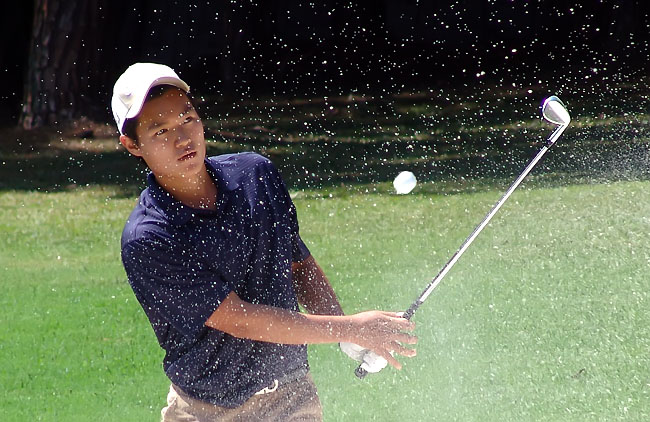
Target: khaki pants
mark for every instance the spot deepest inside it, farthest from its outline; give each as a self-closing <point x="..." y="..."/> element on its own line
<point x="295" y="401"/>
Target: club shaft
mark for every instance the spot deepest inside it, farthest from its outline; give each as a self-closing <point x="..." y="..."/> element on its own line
<point x="360" y="372"/>
<point x="486" y="220"/>
<point x="456" y="256"/>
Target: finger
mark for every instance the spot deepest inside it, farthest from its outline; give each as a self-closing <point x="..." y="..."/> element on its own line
<point x="387" y="334"/>
<point x="392" y="314"/>
<point x="391" y="360"/>
<point x="386" y="353"/>
<point x="405" y="338"/>
<point x="402" y="323"/>
<point x="395" y="330"/>
<point x="403" y="351"/>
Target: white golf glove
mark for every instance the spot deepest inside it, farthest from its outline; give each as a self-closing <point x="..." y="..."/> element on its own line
<point x="371" y="361"/>
<point x="354" y="351"/>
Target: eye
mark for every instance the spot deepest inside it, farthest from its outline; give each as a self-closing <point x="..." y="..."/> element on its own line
<point x="191" y="119"/>
<point x="161" y="132"/>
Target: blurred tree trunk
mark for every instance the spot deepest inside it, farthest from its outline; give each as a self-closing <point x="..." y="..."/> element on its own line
<point x="61" y="42"/>
<point x="15" y="24"/>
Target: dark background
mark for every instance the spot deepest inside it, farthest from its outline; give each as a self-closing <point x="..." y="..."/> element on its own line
<point x="59" y="59"/>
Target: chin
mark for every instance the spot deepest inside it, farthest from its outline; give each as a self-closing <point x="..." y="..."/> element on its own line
<point x="196" y="163"/>
<point x="192" y="167"/>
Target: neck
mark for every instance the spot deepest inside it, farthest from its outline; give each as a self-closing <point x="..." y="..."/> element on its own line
<point x="195" y="191"/>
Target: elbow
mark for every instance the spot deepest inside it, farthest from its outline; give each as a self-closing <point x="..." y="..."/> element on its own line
<point x="230" y="317"/>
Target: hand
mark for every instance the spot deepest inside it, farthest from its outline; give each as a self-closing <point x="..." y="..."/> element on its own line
<point x="382" y="333"/>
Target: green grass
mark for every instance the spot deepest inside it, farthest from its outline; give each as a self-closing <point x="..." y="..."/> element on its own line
<point x="74" y="342"/>
<point x="544" y="318"/>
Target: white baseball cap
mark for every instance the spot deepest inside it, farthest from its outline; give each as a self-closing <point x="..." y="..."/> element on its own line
<point x="132" y="87"/>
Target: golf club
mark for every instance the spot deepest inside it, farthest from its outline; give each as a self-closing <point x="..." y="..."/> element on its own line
<point x="553" y="111"/>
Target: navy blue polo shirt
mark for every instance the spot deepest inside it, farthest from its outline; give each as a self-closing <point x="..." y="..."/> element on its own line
<point x="182" y="262"/>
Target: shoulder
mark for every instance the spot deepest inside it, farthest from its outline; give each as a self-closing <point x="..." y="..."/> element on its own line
<point x="146" y="224"/>
<point x="240" y="161"/>
<point x="243" y="168"/>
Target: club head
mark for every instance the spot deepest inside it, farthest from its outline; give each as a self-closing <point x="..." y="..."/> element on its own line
<point x="554" y="111"/>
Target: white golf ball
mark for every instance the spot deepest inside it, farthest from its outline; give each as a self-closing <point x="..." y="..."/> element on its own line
<point x="404" y="182"/>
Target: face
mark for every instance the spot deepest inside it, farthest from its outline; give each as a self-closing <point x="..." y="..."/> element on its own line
<point x="170" y="136"/>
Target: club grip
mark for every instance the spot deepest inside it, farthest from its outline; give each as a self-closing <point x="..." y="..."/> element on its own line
<point x="410" y="311"/>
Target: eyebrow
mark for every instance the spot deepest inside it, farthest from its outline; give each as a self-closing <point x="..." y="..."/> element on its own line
<point x="189" y="107"/>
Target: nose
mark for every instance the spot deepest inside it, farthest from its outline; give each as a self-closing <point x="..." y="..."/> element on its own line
<point x="182" y="137"/>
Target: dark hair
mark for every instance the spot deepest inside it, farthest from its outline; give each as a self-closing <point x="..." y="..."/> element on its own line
<point x="130" y="125"/>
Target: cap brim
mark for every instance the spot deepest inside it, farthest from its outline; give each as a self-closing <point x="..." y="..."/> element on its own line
<point x="142" y="94"/>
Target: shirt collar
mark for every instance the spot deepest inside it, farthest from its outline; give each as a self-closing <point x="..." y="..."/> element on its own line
<point x="179" y="213"/>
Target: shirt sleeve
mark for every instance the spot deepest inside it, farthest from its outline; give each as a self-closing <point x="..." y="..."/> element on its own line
<point x="299" y="250"/>
<point x="171" y="281"/>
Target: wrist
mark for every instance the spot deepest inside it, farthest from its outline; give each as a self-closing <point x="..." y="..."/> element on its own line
<point x="343" y="328"/>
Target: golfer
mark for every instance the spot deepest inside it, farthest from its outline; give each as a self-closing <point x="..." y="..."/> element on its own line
<point x="213" y="253"/>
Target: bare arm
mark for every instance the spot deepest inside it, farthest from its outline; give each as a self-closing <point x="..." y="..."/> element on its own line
<point x="379" y="331"/>
<point x="313" y="289"/>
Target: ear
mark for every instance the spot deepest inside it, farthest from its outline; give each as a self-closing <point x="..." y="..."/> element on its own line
<point x="130" y="145"/>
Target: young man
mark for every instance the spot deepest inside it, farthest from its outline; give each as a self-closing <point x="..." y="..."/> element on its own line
<point x="213" y="254"/>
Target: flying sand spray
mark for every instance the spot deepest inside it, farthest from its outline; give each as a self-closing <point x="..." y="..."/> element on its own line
<point x="553" y="111"/>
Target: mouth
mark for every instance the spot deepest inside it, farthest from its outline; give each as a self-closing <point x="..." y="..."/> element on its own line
<point x="187" y="156"/>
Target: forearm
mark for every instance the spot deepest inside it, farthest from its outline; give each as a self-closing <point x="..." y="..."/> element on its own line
<point x="382" y="332"/>
<point x="314" y="291"/>
<point x="265" y="323"/>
